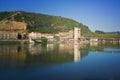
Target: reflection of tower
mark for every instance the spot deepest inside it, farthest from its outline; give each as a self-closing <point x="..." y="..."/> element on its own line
<point x="76" y="52"/>
<point x="77" y="33"/>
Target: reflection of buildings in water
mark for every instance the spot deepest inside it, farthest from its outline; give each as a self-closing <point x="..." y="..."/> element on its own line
<point x="34" y="49"/>
<point x="93" y="43"/>
<point x="39" y="49"/>
<point x="53" y="53"/>
<point x="71" y="48"/>
<point x="50" y="47"/>
<point x="12" y="53"/>
<point x="77" y="54"/>
<point x="68" y="48"/>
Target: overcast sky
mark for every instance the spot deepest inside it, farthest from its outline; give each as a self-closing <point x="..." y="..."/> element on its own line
<point x="96" y="14"/>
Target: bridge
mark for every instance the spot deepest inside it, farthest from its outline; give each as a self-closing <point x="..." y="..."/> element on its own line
<point x="101" y="40"/>
<point x="109" y="40"/>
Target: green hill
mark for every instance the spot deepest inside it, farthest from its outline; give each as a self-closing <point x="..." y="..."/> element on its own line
<point x="44" y="23"/>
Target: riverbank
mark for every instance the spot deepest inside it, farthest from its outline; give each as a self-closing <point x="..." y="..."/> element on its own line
<point x="13" y="42"/>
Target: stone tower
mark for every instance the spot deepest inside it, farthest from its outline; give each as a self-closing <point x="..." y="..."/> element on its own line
<point x="77" y="33"/>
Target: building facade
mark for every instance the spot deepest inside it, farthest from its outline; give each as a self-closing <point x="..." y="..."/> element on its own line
<point x="34" y="35"/>
<point x="8" y="35"/>
<point x="66" y="36"/>
<point x="12" y="30"/>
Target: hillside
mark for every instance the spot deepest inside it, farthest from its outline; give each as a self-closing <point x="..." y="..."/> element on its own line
<point x="44" y="23"/>
<point x="12" y="25"/>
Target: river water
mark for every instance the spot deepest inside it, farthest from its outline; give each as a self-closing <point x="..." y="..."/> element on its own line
<point x="60" y="62"/>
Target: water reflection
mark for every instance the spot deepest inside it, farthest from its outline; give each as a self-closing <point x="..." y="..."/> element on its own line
<point x="13" y="52"/>
<point x="77" y="54"/>
<point x="62" y="52"/>
<point x="11" y="56"/>
<point x="20" y="55"/>
<point x="51" y="53"/>
<point x="93" y="43"/>
<point x="34" y="49"/>
<point x="54" y="61"/>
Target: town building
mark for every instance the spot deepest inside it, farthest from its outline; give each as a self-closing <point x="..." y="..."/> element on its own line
<point x="8" y="35"/>
<point x="49" y="37"/>
<point x="34" y="35"/>
<point x="12" y="30"/>
<point x="71" y="35"/>
<point x="66" y="36"/>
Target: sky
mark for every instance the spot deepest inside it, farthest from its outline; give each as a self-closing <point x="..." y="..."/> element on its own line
<point x="101" y="15"/>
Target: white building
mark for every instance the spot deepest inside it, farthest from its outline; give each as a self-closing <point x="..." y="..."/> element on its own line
<point x="34" y="35"/>
<point x="49" y="37"/>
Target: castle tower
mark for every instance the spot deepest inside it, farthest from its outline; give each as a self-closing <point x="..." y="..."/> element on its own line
<point x="77" y="33"/>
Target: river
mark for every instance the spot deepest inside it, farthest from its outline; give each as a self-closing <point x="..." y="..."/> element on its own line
<point x="60" y="62"/>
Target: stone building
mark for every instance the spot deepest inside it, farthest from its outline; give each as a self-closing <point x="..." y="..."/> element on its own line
<point x="12" y="30"/>
<point x="49" y="37"/>
<point x="66" y="36"/>
<point x="34" y="35"/>
<point x="8" y="35"/>
<point x="71" y="35"/>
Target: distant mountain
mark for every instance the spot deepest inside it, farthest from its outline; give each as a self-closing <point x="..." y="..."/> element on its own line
<point x="117" y="32"/>
<point x="102" y="32"/>
<point x="99" y="32"/>
<point x="44" y="23"/>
